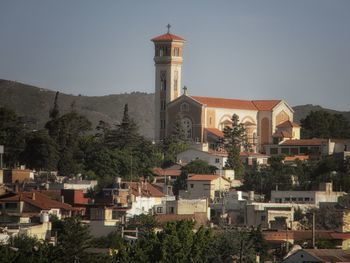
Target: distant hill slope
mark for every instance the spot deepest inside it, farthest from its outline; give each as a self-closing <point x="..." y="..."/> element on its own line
<point x="303" y="110"/>
<point x="33" y="104"/>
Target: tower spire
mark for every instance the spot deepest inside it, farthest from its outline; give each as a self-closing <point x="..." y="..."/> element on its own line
<point x="168" y="26"/>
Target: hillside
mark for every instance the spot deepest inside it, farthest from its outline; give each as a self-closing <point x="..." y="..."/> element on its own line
<point x="302" y="111"/>
<point x="33" y="104"/>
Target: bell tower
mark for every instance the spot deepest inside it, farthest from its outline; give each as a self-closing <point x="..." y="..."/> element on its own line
<point x="168" y="63"/>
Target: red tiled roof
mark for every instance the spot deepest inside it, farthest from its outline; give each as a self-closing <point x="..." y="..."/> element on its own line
<point x="237" y="104"/>
<point x="225" y="103"/>
<point x="37" y="199"/>
<point x="265" y="104"/>
<point x="166" y="172"/>
<point x="287" y="124"/>
<point x="304" y="142"/>
<point x="147" y="189"/>
<point x="203" y="177"/>
<point x="296" y="157"/>
<point x="282" y="134"/>
<point x="215" y="132"/>
<point x="167" y="37"/>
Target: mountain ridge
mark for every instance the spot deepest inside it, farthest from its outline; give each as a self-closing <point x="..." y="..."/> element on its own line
<point x="33" y="104"/>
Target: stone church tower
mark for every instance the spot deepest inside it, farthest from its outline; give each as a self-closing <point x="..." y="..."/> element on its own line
<point x="168" y="64"/>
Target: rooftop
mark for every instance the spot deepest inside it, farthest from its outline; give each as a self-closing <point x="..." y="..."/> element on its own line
<point x="263" y="105"/>
<point x="167" y="37"/>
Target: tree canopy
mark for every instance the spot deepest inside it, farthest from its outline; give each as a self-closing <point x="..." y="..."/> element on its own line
<point x="322" y="124"/>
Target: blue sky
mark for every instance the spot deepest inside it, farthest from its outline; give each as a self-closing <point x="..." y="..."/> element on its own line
<point x="298" y="50"/>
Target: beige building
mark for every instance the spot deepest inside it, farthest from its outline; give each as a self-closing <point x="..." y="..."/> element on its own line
<point x="324" y="195"/>
<point x="205" y="186"/>
<point x="204" y="118"/>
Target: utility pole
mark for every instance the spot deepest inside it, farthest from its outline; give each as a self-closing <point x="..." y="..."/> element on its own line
<point x="313" y="230"/>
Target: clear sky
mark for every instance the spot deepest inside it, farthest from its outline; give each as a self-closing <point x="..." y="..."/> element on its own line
<point x="298" y="50"/>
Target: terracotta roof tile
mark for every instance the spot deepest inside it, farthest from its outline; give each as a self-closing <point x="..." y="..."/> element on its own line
<point x="265" y="104"/>
<point x="147" y="189"/>
<point x="282" y="134"/>
<point x="237" y="104"/>
<point x="37" y="199"/>
<point x="203" y="177"/>
<point x="288" y="124"/>
<point x="166" y="172"/>
<point x="304" y="142"/>
<point x="167" y="37"/>
<point x="296" y="157"/>
<point x="225" y="103"/>
<point x="216" y="132"/>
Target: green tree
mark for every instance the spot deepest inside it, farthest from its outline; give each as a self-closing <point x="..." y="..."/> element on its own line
<point x="321" y="124"/>
<point x="175" y="143"/>
<point x="41" y="151"/>
<point x="74" y="240"/>
<point x="12" y="136"/>
<point x="125" y="135"/>
<point x="234" y="139"/>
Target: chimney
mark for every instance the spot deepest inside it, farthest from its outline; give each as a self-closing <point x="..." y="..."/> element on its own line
<point x="33" y="196"/>
<point x="62" y="198"/>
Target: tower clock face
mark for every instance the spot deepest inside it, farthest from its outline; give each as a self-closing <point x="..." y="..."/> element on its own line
<point x="187" y="127"/>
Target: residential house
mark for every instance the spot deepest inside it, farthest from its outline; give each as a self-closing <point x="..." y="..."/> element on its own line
<point x="21" y="204"/>
<point x="318" y="256"/>
<point x="205" y="186"/>
<point x="325" y="194"/>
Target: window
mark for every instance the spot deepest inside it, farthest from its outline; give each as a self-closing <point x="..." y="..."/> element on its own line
<point x="307" y="199"/>
<point x="300" y="199"/>
<point x="184" y="107"/>
<point x="187" y="127"/>
<point x="176" y="52"/>
<point x="159" y="210"/>
<point x="162" y="104"/>
<point x="176" y="76"/>
<point x="191" y="185"/>
<point x="303" y="150"/>
<point x="163" y="80"/>
<point x="209" y="120"/>
<point x="171" y="210"/>
<point x="263" y="218"/>
<point x="10" y="205"/>
<point x="285" y="150"/>
<point x="273" y="150"/>
<point x="287" y="199"/>
<point x="294" y="151"/>
<point x="162" y="124"/>
<point x="161" y="51"/>
<point x="217" y="160"/>
<point x="206" y="186"/>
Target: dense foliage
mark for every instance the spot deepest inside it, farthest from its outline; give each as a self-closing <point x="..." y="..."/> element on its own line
<point x="321" y="124"/>
<point x="176" y="242"/>
<point x="234" y="140"/>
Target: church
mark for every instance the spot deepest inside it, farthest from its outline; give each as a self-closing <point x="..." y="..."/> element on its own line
<point x="204" y="118"/>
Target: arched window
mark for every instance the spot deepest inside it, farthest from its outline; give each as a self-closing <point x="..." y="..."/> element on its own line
<point x="187" y="126"/>
<point x="163" y="80"/>
<point x="184" y="107"/>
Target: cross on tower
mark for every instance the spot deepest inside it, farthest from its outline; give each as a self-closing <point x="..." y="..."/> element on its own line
<point x="168" y="26"/>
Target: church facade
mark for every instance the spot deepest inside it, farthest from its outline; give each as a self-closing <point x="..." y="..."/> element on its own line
<point x="204" y="118"/>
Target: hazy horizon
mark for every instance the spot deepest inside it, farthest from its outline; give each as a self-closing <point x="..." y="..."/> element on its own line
<point x="293" y="50"/>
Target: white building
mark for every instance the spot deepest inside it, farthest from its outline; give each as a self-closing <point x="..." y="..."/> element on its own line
<point x="324" y="195"/>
